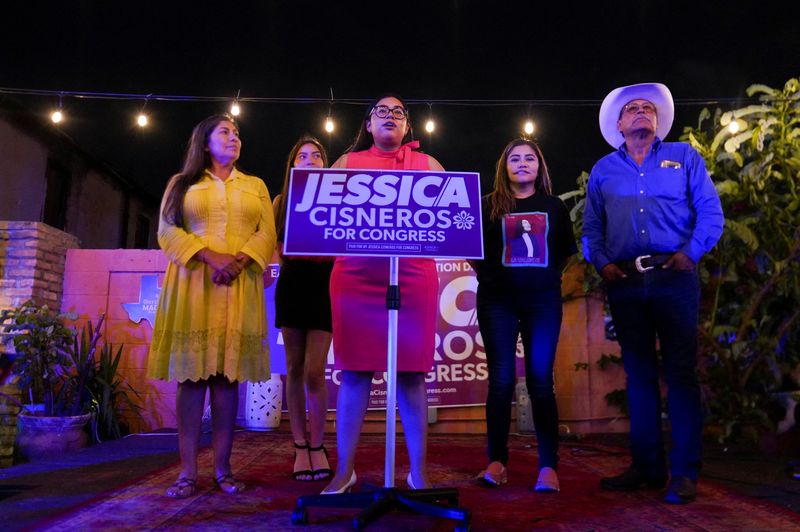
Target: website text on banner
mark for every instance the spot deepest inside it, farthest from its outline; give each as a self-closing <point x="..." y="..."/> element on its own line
<point x="408" y="213"/>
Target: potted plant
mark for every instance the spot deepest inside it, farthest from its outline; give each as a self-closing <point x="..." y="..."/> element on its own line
<point x="107" y="393"/>
<point x="55" y="418"/>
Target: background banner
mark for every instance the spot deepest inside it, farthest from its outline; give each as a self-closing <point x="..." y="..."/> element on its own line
<point x="458" y="376"/>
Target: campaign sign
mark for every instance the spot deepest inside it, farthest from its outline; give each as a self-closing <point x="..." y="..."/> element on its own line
<point x="383" y="213"/>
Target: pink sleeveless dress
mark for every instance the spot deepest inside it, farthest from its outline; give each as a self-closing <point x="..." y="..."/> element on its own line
<point x="358" y="293"/>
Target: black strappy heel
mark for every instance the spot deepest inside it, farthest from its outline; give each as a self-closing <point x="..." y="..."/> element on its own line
<point x="325" y="472"/>
<point x="303" y="472"/>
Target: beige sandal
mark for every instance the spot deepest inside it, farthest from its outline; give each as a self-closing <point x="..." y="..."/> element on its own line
<point x="183" y="488"/>
<point x="494" y="475"/>
<point x="547" y="481"/>
<point x="229" y="484"/>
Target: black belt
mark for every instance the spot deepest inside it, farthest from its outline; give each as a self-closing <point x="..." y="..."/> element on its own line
<point x="643" y="263"/>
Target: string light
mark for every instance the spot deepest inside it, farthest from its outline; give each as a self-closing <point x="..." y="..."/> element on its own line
<point x="329" y="125"/>
<point x="142" y="119"/>
<point x="529" y="127"/>
<point x="235" y="108"/>
<point x="430" y="125"/>
<point x="57" y="116"/>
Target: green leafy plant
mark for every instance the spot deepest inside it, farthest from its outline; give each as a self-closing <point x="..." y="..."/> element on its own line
<point x="606" y="360"/>
<point x="43" y="363"/>
<point x="71" y="374"/>
<point x="751" y="281"/>
<point x="82" y="353"/>
<point x="102" y="390"/>
<point x="617" y="398"/>
<point x="111" y="394"/>
<point x="576" y="201"/>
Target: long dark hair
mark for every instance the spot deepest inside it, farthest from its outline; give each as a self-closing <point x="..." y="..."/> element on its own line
<point x="280" y="210"/>
<point x="195" y="162"/>
<point x="363" y="138"/>
<point x="501" y="199"/>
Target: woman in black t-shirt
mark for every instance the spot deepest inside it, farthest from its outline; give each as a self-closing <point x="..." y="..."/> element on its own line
<point x="528" y="238"/>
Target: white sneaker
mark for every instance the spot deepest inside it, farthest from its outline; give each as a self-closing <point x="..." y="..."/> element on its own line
<point x="548" y="481"/>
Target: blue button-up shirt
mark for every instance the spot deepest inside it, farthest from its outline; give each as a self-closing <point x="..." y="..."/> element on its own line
<point x="666" y="204"/>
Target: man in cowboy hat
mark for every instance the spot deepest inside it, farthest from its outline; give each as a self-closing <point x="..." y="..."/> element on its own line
<point x="651" y="213"/>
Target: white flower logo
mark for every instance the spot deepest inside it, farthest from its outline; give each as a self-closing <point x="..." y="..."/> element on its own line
<point x="464" y="220"/>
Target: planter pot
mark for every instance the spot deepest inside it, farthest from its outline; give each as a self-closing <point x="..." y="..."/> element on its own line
<point x="40" y="437"/>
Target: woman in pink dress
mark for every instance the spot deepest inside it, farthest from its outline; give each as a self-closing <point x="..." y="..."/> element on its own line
<point x="360" y="318"/>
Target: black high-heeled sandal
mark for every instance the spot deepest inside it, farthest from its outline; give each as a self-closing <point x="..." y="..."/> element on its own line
<point x="323" y="473"/>
<point x="303" y="472"/>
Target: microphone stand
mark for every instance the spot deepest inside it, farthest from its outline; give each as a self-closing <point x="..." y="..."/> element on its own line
<point x="384" y="500"/>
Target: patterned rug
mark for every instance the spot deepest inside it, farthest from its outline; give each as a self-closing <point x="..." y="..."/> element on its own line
<point x="264" y="462"/>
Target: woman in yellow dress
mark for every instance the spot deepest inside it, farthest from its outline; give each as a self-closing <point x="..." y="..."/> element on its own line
<point x="218" y="231"/>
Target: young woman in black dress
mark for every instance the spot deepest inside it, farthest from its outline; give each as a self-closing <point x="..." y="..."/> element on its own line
<point x="303" y="313"/>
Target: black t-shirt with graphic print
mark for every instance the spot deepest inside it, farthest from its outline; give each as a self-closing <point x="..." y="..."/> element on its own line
<point x="524" y="251"/>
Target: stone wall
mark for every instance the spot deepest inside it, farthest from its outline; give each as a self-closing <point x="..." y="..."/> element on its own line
<point x="32" y="257"/>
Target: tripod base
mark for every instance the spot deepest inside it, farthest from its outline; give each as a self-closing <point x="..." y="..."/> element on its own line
<point x="376" y="503"/>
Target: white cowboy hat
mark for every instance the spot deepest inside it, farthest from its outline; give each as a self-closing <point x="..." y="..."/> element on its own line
<point x="656" y="93"/>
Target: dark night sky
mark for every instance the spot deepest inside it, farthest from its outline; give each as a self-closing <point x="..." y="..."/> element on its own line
<point x="422" y="50"/>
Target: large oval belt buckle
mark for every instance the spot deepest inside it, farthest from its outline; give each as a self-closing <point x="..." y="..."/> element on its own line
<point x="638" y="263"/>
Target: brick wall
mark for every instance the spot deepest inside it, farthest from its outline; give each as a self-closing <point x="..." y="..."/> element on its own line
<point x="9" y="397"/>
<point x="32" y="257"/>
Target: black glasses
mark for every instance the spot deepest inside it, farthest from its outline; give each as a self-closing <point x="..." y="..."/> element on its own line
<point x="383" y="111"/>
<point x="632" y="109"/>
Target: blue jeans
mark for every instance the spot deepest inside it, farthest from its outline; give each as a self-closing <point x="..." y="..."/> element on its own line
<point x="537" y="317"/>
<point x="660" y="304"/>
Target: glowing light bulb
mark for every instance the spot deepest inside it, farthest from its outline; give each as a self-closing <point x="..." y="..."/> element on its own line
<point x="430" y="125"/>
<point x="329" y="126"/>
<point x="733" y="127"/>
<point x="141" y="120"/>
<point x="57" y="116"/>
<point x="235" y="109"/>
<point x="529" y="127"/>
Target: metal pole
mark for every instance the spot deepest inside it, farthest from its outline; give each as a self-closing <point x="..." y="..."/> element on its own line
<point x="393" y="305"/>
